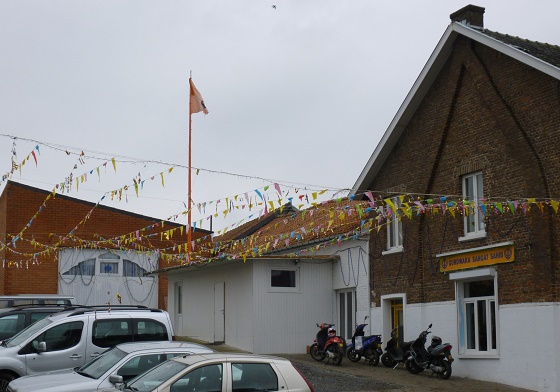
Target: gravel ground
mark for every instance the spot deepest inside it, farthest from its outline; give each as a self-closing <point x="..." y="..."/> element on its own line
<point x="354" y="377"/>
<point x="326" y="379"/>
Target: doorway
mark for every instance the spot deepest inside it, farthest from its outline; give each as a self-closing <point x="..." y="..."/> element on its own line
<point x="346" y="313"/>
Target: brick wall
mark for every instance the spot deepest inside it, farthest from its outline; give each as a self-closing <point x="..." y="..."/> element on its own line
<point x="60" y="215"/>
<point x="491" y="113"/>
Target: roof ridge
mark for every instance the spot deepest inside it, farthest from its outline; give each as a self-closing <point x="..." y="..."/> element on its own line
<point x="520" y="38"/>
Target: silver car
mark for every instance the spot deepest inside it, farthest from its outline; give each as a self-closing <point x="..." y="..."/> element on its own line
<point x="221" y="372"/>
<point x="118" y="364"/>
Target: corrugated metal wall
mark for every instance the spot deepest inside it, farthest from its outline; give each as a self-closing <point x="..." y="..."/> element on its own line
<point x="285" y="322"/>
<point x="198" y="302"/>
<point x="101" y="288"/>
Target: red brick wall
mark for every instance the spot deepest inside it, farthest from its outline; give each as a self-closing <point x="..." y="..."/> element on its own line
<point x="487" y="108"/>
<point x="60" y="215"/>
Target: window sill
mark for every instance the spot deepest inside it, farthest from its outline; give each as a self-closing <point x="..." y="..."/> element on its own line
<point x="473" y="237"/>
<point x="396" y="249"/>
<point x="479" y="356"/>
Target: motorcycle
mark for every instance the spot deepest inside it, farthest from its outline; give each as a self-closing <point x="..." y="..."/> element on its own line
<point x="328" y="344"/>
<point x="395" y="353"/>
<point x="368" y="347"/>
<point x="437" y="357"/>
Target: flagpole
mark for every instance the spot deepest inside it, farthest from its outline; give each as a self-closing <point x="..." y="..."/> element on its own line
<point x="189" y="228"/>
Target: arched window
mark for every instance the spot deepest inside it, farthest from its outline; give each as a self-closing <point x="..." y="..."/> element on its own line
<point x="84" y="268"/>
<point x="130" y="268"/>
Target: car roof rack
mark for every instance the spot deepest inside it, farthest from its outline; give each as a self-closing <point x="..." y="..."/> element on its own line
<point x="35" y="306"/>
<point x="94" y="308"/>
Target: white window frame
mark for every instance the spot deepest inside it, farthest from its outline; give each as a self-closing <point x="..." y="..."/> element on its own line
<point x="394" y="229"/>
<point x="460" y="279"/>
<point x="275" y="289"/>
<point x="473" y="220"/>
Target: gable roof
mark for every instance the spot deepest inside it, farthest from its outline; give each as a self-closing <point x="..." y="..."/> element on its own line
<point x="288" y="233"/>
<point x="541" y="56"/>
<point x="297" y="229"/>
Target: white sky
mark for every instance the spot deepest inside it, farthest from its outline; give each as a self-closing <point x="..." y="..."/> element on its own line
<point x="299" y="94"/>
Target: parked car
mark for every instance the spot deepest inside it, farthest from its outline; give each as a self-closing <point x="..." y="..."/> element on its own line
<point x="73" y="337"/>
<point x="126" y="360"/>
<point x="13" y="320"/>
<point x="221" y="372"/>
<point x="8" y="301"/>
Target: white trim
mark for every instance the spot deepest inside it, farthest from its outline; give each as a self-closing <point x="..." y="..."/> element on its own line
<point x="457" y="252"/>
<point x="274" y="289"/>
<point x="473" y="274"/>
<point x="476" y="236"/>
<point x="396" y="249"/>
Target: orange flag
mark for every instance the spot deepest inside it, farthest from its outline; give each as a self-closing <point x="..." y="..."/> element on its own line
<point x="196" y="101"/>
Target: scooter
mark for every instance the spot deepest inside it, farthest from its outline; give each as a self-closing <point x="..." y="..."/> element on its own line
<point x="328" y="344"/>
<point x="395" y="354"/>
<point x="368" y="347"/>
<point x="437" y="357"/>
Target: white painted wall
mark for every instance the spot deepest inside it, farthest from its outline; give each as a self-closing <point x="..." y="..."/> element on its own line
<point x="529" y="342"/>
<point x="285" y="322"/>
<point x="265" y="321"/>
<point x="352" y="271"/>
<point x="198" y="302"/>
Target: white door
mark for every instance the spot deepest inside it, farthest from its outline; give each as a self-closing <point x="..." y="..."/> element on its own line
<point x="346" y="313"/>
<point x="219" y="312"/>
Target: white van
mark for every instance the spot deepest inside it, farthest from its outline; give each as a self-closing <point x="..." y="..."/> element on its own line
<point x="73" y="337"/>
<point x="10" y="301"/>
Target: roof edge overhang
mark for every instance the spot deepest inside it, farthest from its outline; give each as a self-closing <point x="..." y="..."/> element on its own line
<point x="218" y="263"/>
<point x="427" y="76"/>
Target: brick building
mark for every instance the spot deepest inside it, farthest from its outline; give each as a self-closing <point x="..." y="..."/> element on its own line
<point x="58" y="244"/>
<point x="467" y="177"/>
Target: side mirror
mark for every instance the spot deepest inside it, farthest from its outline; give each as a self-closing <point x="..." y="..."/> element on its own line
<point x="115" y="379"/>
<point x="41" y="347"/>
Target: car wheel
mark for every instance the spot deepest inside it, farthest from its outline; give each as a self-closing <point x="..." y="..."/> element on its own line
<point x="5" y="379"/>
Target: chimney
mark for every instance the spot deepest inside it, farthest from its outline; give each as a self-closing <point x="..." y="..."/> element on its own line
<point x="471" y="15"/>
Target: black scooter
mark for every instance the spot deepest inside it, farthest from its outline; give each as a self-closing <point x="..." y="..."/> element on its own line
<point x="436" y="358"/>
<point x="395" y="354"/>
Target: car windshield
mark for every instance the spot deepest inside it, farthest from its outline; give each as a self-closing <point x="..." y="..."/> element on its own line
<point x="152" y="379"/>
<point x="99" y="366"/>
<point x="28" y="332"/>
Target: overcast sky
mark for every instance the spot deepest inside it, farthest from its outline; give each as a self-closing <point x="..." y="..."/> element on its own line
<point x="299" y="91"/>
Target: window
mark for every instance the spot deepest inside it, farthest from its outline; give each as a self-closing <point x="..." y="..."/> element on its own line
<point x="206" y="378"/>
<point x="179" y="298"/>
<point x="284" y="279"/>
<point x="149" y="330"/>
<point x="107" y="333"/>
<point x="253" y="377"/>
<point x="11" y="324"/>
<point x="394" y="225"/>
<point x="130" y="268"/>
<point x="84" y="268"/>
<point x="61" y="337"/>
<point x="477" y="312"/>
<point x="109" y="264"/>
<point x="473" y="194"/>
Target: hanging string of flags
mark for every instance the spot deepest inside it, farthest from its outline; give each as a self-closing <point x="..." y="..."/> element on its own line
<point x="371" y="215"/>
<point x="19" y="166"/>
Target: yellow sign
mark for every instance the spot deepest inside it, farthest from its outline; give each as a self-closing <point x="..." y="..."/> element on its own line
<point x="502" y="254"/>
